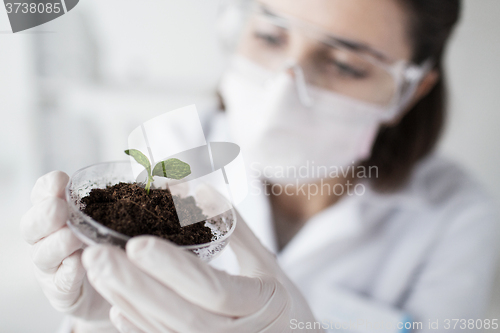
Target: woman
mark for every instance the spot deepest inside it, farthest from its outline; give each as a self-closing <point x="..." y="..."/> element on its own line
<point x="376" y="234"/>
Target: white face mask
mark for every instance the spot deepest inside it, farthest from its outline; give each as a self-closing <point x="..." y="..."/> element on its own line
<point x="278" y="134"/>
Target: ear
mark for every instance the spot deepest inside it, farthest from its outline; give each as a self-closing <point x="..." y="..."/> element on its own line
<point x="425" y="86"/>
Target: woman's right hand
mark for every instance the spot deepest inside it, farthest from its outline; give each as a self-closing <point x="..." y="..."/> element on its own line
<point x="56" y="254"/>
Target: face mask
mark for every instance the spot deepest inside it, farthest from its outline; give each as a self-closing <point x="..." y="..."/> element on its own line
<point x="286" y="142"/>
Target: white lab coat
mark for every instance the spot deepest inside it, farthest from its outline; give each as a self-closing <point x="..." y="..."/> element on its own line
<point x="424" y="253"/>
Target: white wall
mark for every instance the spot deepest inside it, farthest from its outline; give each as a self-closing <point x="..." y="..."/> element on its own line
<point x="22" y="305"/>
<point x="150" y="58"/>
<point x="473" y="135"/>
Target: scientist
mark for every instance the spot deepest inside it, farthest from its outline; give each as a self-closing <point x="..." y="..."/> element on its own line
<point x="352" y="92"/>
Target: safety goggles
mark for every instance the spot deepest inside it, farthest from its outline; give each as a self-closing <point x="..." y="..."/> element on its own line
<point x="333" y="63"/>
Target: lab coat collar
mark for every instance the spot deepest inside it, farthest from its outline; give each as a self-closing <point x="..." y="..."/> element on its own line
<point x="256" y="211"/>
<point x="335" y="223"/>
<point x="332" y="225"/>
<point x="350" y="218"/>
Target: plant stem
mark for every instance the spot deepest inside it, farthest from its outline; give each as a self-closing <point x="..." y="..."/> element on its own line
<point x="148" y="185"/>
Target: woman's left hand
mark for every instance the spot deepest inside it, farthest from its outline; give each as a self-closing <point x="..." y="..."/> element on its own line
<point x="157" y="287"/>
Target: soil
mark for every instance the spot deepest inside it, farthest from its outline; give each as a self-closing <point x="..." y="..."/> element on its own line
<point x="128" y="209"/>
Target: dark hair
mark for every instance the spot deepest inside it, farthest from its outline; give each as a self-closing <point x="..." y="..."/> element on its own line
<point x="399" y="147"/>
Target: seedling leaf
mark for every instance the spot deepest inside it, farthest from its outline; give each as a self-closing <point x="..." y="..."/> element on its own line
<point x="172" y="168"/>
<point x="140" y="158"/>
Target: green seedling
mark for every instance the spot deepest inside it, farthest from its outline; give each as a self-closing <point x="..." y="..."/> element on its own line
<point x="172" y="168"/>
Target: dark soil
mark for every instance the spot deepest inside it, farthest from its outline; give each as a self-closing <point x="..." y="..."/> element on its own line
<point x="127" y="208"/>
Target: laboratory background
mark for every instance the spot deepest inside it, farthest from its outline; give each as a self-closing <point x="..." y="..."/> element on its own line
<point x="71" y="91"/>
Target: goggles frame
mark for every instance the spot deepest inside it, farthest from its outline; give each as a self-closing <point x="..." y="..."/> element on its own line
<point x="406" y="75"/>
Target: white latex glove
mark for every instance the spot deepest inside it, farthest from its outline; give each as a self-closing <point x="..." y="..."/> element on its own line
<point x="56" y="254"/>
<point x="157" y="287"/>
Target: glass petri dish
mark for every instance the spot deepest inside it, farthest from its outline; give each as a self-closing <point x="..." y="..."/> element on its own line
<point x="92" y="232"/>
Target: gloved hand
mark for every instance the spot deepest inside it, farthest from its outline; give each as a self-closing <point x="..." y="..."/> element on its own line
<point x="56" y="254"/>
<point x="157" y="287"/>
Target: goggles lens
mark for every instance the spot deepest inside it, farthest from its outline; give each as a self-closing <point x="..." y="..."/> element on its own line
<point x="329" y="63"/>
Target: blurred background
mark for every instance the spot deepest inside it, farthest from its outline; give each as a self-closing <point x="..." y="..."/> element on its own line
<point x="72" y="89"/>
